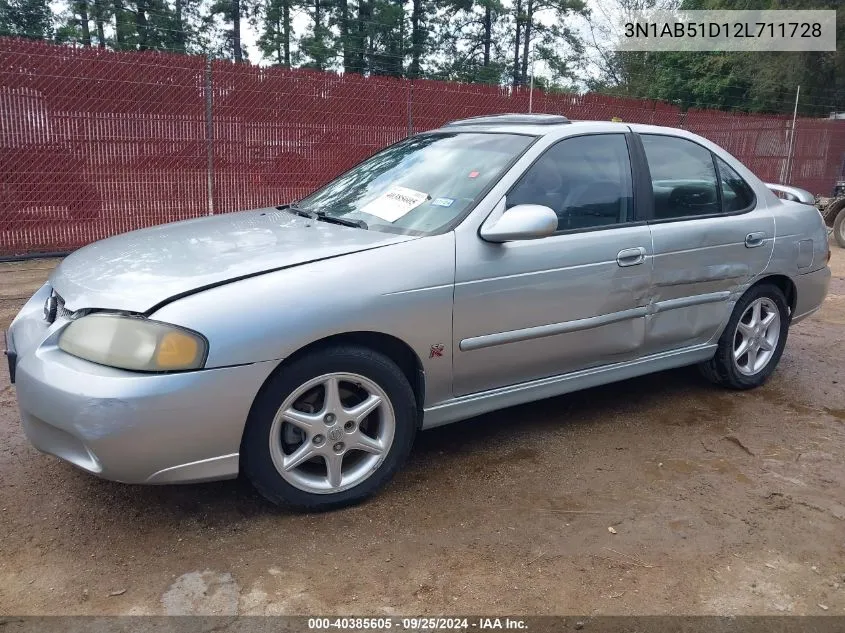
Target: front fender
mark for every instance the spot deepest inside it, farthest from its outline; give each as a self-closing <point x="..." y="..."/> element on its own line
<point x="404" y="290"/>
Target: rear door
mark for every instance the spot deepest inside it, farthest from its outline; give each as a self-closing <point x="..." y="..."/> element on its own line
<point x="709" y="236"/>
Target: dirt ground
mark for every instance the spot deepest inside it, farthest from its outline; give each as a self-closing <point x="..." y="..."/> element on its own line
<point x="721" y="502"/>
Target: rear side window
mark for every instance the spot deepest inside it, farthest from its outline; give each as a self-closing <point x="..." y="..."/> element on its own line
<point x="683" y="177"/>
<point x="737" y="195"/>
<point x="585" y="180"/>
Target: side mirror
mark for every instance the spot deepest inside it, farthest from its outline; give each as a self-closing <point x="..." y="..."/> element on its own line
<point x="522" y="222"/>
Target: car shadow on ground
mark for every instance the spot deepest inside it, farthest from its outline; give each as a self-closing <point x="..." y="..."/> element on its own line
<point x="588" y="406"/>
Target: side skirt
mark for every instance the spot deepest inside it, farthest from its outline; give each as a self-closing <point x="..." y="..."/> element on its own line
<point x="485" y="401"/>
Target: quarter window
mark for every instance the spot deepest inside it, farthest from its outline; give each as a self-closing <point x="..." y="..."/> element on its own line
<point x="585" y="180"/>
<point x="683" y="177"/>
<point x="737" y="195"/>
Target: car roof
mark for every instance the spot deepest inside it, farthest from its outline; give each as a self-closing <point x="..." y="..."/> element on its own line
<point x="512" y="118"/>
<point x="545" y="124"/>
<point x="533" y="124"/>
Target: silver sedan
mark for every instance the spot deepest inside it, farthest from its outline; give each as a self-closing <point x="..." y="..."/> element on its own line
<point x="488" y="263"/>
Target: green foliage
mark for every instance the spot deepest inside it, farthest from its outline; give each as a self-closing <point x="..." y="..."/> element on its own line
<point x="489" y="41"/>
<point x="552" y="39"/>
<point x="273" y="20"/>
<point x="231" y="12"/>
<point x="386" y="33"/>
<point x="26" y="18"/>
<point x="473" y="38"/>
<point x="749" y="81"/>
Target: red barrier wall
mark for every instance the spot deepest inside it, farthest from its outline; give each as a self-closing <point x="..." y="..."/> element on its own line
<point x="95" y="142"/>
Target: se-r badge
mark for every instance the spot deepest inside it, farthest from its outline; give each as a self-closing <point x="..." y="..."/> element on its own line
<point x="437" y="350"/>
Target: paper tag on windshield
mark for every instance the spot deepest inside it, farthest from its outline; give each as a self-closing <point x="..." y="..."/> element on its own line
<point x="395" y="203"/>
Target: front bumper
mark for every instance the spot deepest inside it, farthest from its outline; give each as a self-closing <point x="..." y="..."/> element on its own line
<point x="125" y="426"/>
<point x="11" y="357"/>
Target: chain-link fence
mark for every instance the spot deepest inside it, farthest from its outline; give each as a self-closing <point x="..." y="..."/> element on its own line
<point x="94" y="142"/>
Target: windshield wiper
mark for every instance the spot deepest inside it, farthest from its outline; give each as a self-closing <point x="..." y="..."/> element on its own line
<point x="297" y="210"/>
<point x="358" y="224"/>
<point x="321" y="215"/>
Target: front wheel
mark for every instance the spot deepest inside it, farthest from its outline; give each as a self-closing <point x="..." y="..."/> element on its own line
<point x="753" y="341"/>
<point x="330" y="429"/>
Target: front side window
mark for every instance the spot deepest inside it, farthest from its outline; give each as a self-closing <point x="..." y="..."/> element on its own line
<point x="585" y="180"/>
<point x="683" y="177"/>
<point x="737" y="195"/>
<point x="418" y="185"/>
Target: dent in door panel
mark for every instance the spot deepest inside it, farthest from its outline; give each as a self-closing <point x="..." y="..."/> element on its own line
<point x="534" y="299"/>
<point x="694" y="324"/>
<point x="521" y="285"/>
<point x="699" y="266"/>
<point x="701" y="274"/>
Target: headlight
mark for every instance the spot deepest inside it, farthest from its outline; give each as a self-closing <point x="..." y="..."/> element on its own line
<point x="133" y="343"/>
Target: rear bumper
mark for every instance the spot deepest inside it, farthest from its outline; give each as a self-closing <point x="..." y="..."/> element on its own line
<point x="811" y="290"/>
<point x="130" y="427"/>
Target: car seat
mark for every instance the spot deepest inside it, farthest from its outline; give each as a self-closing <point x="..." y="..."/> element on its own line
<point x="595" y="203"/>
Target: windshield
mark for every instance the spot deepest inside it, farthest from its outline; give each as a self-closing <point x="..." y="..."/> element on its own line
<point x="418" y="185"/>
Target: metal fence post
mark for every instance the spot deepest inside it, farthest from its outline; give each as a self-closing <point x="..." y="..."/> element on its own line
<point x="790" y="160"/>
<point x="209" y="135"/>
<point x="410" y="108"/>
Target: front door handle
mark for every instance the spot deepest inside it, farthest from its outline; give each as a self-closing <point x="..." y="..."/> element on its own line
<point x="631" y="256"/>
<point x="753" y="240"/>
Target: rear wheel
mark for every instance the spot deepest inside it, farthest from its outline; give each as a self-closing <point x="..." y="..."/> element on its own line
<point x="753" y="341"/>
<point x="330" y="429"/>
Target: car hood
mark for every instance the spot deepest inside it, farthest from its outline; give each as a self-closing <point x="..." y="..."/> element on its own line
<point x="138" y="270"/>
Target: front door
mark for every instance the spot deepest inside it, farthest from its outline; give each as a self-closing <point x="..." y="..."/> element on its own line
<point x="710" y="240"/>
<point x="531" y="309"/>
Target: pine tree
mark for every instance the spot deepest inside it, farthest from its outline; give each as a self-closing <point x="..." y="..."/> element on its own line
<point x="76" y="23"/>
<point x="387" y="33"/>
<point x="274" y="20"/>
<point x="232" y="11"/>
<point x="552" y="40"/>
<point x="26" y="18"/>
<point x="317" y="46"/>
<point x="472" y="36"/>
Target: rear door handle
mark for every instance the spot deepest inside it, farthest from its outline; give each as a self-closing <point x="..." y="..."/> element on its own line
<point x="755" y="239"/>
<point x="631" y="256"/>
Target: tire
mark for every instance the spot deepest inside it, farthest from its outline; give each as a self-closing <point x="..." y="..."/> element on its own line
<point x="357" y="375"/>
<point x="839" y="228"/>
<point x="727" y="371"/>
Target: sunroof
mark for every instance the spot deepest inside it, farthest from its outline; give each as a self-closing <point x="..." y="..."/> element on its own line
<point x="511" y="118"/>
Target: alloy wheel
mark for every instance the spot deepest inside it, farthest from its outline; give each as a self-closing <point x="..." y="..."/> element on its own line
<point x="332" y="433"/>
<point x="756" y="336"/>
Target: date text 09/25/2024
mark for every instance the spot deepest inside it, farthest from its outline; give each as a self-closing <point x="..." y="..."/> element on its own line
<point x="416" y="624"/>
